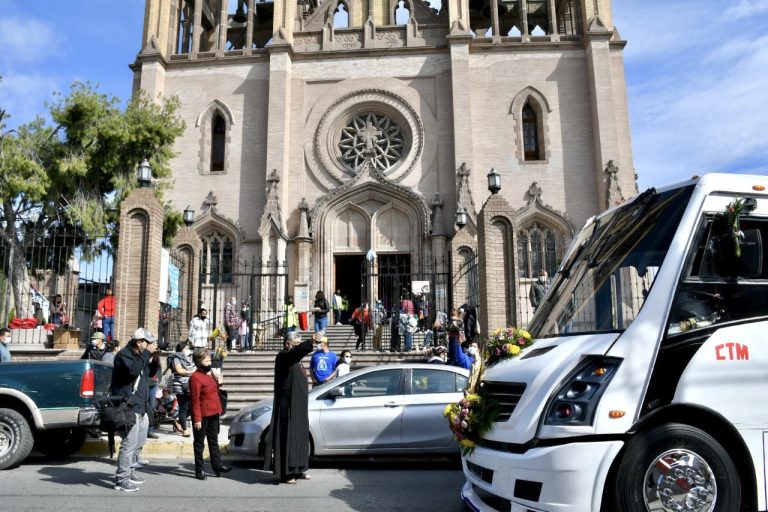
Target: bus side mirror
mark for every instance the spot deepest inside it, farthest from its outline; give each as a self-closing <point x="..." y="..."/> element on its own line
<point x="751" y="265"/>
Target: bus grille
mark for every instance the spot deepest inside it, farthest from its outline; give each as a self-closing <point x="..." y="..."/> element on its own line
<point x="507" y="394"/>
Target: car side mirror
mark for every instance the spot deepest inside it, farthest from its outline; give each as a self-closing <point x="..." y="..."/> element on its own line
<point x="335" y="393"/>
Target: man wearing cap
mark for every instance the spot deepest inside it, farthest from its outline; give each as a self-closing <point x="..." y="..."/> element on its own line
<point x="129" y="380"/>
<point x="95" y="348"/>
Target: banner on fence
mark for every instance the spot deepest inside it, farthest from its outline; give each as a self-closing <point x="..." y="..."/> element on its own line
<point x="173" y="284"/>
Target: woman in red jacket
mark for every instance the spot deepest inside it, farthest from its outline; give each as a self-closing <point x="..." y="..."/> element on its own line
<point x="206" y="408"/>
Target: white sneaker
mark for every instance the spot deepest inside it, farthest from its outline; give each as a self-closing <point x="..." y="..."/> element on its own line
<point x="126" y="486"/>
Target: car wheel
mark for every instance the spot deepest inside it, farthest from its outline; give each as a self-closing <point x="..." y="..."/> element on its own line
<point x="61" y="442"/>
<point x="676" y="467"/>
<point x="15" y="438"/>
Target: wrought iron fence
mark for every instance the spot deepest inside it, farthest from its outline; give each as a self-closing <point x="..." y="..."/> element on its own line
<point x="258" y="290"/>
<point x="53" y="279"/>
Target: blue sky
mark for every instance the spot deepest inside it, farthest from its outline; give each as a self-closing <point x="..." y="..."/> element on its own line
<point x="697" y="73"/>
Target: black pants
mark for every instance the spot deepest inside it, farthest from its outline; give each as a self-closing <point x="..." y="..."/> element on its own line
<point x="184" y="405"/>
<point x="361" y="333"/>
<point x="209" y="430"/>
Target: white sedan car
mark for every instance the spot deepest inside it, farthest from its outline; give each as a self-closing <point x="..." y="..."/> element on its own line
<point x="389" y="409"/>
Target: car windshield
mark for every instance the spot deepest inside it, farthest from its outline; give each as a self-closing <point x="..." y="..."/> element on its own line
<point x="610" y="268"/>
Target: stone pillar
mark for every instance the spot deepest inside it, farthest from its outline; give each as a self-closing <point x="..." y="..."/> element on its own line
<point x="249" y="28"/>
<point x="554" y="35"/>
<point x="137" y="267"/>
<point x="303" y="242"/>
<point x="197" y="28"/>
<point x="189" y="247"/>
<point x="462" y="113"/>
<point x="157" y="19"/>
<point x="284" y="19"/>
<point x="458" y="12"/>
<point x="223" y="23"/>
<point x="496" y="264"/>
<point x="610" y="121"/>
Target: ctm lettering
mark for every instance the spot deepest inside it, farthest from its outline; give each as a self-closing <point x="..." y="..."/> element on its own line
<point x="732" y="351"/>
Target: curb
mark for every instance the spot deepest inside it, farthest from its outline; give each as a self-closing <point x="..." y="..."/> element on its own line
<point x="156" y="448"/>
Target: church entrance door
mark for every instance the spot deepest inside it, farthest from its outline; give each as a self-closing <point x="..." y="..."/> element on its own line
<point x="346" y="272"/>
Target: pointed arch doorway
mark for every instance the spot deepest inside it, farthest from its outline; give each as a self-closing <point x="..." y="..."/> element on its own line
<point x="375" y="214"/>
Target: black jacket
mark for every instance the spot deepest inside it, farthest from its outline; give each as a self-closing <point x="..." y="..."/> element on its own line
<point x="128" y="366"/>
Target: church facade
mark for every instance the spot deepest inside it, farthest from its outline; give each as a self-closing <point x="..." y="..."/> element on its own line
<point x="331" y="140"/>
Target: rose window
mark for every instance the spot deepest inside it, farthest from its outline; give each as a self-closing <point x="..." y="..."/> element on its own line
<point x="374" y="137"/>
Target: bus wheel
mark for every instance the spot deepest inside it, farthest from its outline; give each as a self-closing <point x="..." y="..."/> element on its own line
<point x="675" y="467"/>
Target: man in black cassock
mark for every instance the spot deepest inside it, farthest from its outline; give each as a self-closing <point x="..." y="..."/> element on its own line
<point x="288" y="441"/>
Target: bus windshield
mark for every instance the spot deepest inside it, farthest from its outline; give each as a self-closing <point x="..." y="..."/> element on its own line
<point x="604" y="279"/>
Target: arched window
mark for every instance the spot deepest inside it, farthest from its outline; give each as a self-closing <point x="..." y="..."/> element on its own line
<point x="217" y="259"/>
<point x="538" y="248"/>
<point x="341" y="16"/>
<point x="531" y="139"/>
<point x="402" y="14"/>
<point x="218" y="142"/>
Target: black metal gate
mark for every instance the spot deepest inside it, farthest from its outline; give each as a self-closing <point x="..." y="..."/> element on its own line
<point x="259" y="289"/>
<point x="392" y="278"/>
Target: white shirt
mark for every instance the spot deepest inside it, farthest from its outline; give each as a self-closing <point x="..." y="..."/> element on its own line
<point x="199" y="330"/>
<point x="342" y="369"/>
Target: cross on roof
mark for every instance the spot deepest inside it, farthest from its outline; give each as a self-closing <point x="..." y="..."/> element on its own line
<point x="370" y="135"/>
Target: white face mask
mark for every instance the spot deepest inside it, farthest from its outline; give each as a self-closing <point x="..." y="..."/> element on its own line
<point x="542" y="279"/>
<point x="319" y="346"/>
<point x="186" y="352"/>
<point x="347" y="360"/>
<point x="472" y="351"/>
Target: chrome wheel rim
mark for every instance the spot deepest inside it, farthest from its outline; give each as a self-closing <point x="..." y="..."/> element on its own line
<point x="6" y="438"/>
<point x="680" y="481"/>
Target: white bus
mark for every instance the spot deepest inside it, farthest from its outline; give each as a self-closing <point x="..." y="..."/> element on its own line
<point x="647" y="386"/>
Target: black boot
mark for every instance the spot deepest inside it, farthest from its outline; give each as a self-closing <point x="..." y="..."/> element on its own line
<point x="222" y="469"/>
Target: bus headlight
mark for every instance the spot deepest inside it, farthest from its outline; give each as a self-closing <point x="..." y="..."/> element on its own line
<point x="576" y="400"/>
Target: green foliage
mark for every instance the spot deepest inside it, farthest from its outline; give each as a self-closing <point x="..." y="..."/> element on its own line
<point x="68" y="178"/>
<point x="76" y="172"/>
<point x="171" y="224"/>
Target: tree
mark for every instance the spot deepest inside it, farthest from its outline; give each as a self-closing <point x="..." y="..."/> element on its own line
<point x="67" y="178"/>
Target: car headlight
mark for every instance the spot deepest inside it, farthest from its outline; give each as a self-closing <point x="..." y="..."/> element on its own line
<point x="251" y="415"/>
<point x="576" y="400"/>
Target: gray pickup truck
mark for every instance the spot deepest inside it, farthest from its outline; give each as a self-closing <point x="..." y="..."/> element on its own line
<point x="48" y="405"/>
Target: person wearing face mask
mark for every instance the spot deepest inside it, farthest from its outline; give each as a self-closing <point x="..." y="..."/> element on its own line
<point x="5" y="338"/>
<point x="200" y="330"/>
<point x="538" y="289"/>
<point x="345" y="363"/>
<point x="182" y="368"/>
<point x="206" y="409"/>
<point x="322" y="366"/>
<point x="456" y="356"/>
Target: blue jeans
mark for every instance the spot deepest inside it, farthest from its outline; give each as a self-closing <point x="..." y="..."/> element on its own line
<point x="130" y="449"/>
<point x="408" y="341"/>
<point x="321" y="323"/>
<point x="109" y="327"/>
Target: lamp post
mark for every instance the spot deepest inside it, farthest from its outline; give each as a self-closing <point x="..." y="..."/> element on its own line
<point x="144" y="174"/>
<point x="189" y="216"/>
<point x="494" y="181"/>
<point x="461" y="217"/>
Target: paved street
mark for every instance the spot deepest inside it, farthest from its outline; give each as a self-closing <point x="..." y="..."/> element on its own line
<point x="336" y="485"/>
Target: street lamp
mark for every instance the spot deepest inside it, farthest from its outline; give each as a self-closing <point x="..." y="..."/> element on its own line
<point x="189" y="216"/>
<point x="144" y="174"/>
<point x="461" y="217"/>
<point x="494" y="181"/>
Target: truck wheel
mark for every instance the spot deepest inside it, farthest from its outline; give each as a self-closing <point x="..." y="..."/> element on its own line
<point x="61" y="442"/>
<point x="676" y="467"/>
<point x="15" y="438"/>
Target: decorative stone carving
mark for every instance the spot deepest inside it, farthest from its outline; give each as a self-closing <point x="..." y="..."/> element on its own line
<point x="614" y="194"/>
<point x="464" y="196"/>
<point x="537" y="211"/>
<point x="210" y="202"/>
<point x="374" y="137"/>
<point x="383" y="105"/>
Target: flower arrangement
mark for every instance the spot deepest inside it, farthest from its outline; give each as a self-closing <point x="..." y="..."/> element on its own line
<point x="506" y="343"/>
<point x="470" y="418"/>
<point x="731" y="216"/>
<point x="220" y="354"/>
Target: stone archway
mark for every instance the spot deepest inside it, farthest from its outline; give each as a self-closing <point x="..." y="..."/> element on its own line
<point x="368" y="213"/>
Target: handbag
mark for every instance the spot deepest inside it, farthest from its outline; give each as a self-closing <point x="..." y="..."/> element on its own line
<point x="223" y="398"/>
<point x="116" y="413"/>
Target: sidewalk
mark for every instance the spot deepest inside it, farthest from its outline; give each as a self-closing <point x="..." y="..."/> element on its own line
<point x="170" y="445"/>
